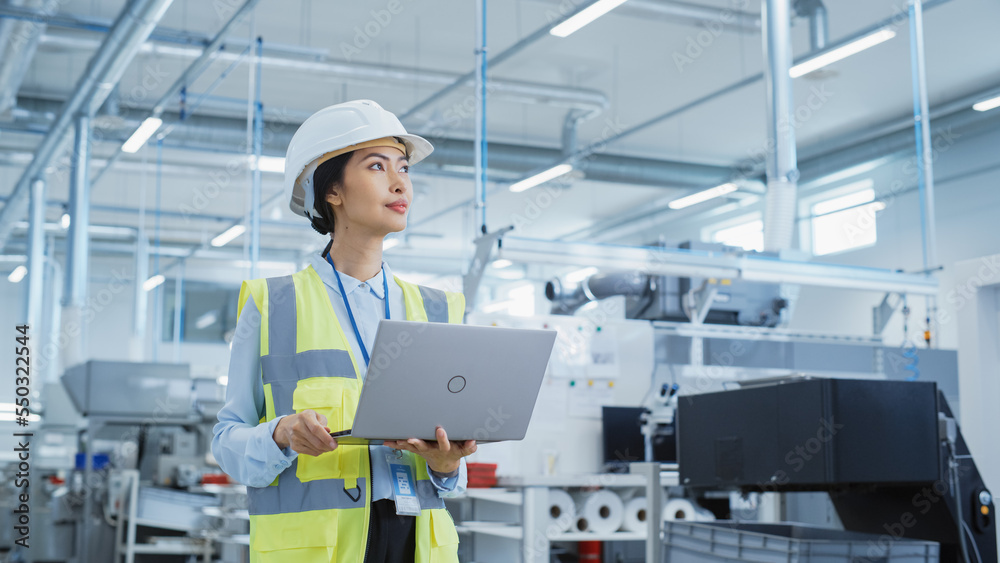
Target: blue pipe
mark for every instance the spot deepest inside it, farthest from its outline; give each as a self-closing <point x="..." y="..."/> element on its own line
<point x="482" y="140"/>
<point x="480" y="143"/>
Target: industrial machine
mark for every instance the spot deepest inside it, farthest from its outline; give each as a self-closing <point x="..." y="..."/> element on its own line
<point x="889" y="453"/>
<point x="138" y="480"/>
<point x="667" y="298"/>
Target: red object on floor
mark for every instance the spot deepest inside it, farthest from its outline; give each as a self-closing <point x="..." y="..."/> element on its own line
<point x="589" y="551"/>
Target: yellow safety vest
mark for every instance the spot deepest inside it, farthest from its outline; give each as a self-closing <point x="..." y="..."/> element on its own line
<point x="317" y="510"/>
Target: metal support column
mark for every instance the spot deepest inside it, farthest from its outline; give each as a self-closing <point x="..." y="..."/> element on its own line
<point x="137" y="349"/>
<point x="922" y="132"/>
<point x="178" y="310"/>
<point x="480" y="144"/>
<point x="922" y="129"/>
<point x="158" y="291"/>
<point x="77" y="258"/>
<point x="36" y="256"/>
<point x="654" y="506"/>
<point x="54" y="286"/>
<point x="77" y="247"/>
<point x="258" y="144"/>
<point x="535" y="544"/>
<point x="782" y="170"/>
<point x="818" y="28"/>
<point x="85" y="524"/>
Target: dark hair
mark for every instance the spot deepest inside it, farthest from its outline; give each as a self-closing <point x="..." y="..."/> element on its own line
<point x="326" y="175"/>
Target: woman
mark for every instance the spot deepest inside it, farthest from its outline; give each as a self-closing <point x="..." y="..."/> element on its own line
<point x="299" y="356"/>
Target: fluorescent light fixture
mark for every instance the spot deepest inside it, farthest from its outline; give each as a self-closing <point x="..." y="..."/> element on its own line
<point x="228" y="235"/>
<point x="142" y="134"/>
<point x="18" y="274"/>
<point x="832" y="56"/>
<point x="585" y="16"/>
<point x="151" y="283"/>
<point x="501" y="263"/>
<point x="270" y="164"/>
<point x="222" y="380"/>
<point x="711" y="193"/>
<point x="64" y="221"/>
<point x="581" y="274"/>
<point x="541" y="177"/>
<point x="390" y="243"/>
<point x="987" y="105"/>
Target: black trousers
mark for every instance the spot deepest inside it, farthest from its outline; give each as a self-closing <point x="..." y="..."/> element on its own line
<point x="393" y="537"/>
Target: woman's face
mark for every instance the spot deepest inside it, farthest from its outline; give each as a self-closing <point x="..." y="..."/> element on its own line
<point x="375" y="194"/>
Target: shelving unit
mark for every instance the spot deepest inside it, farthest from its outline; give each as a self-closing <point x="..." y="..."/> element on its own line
<point x="128" y="520"/>
<point x="531" y="494"/>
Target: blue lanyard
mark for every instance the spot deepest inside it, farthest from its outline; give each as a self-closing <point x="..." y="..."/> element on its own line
<point x="347" y="304"/>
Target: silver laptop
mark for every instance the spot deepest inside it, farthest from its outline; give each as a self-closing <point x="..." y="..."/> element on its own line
<point x="477" y="382"/>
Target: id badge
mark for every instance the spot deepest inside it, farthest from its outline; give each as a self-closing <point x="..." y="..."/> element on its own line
<point x="404" y="487"/>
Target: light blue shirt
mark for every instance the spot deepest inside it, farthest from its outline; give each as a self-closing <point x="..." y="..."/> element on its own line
<point x="245" y="448"/>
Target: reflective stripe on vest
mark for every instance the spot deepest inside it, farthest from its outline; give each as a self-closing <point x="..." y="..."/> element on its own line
<point x="306" y="363"/>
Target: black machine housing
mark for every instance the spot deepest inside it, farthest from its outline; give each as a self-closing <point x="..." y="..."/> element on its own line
<point x="880" y="448"/>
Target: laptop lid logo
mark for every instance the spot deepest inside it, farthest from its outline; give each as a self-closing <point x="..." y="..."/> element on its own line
<point x="456" y="384"/>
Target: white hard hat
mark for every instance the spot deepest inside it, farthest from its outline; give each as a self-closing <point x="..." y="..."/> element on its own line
<point x="335" y="130"/>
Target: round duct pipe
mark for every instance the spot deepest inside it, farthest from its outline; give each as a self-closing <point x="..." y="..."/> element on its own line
<point x="567" y="297"/>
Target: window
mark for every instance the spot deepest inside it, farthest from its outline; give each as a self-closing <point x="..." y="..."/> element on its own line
<point x="844" y="222"/>
<point x="748" y="235"/>
<point x="208" y="311"/>
<point x="523" y="298"/>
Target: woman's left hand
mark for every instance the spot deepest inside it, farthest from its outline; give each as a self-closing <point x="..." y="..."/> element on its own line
<point x="442" y="457"/>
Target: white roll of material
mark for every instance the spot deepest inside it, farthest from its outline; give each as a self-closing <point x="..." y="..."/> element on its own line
<point x="681" y="509"/>
<point x="562" y="511"/>
<point x="636" y="516"/>
<point x="601" y="512"/>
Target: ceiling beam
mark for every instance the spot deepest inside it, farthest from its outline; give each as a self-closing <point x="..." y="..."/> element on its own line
<point x="103" y="72"/>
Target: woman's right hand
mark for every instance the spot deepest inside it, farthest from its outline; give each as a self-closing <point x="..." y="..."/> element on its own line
<point x="305" y="432"/>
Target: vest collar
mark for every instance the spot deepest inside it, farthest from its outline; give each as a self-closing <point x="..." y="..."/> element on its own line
<point x="325" y="272"/>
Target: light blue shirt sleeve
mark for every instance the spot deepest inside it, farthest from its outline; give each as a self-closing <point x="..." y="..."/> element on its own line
<point x="242" y="445"/>
<point x="450" y="486"/>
